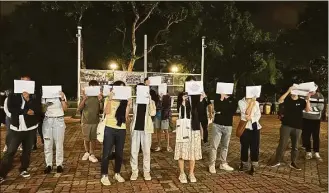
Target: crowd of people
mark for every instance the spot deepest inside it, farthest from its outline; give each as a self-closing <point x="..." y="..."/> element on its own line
<point x="26" y="114"/>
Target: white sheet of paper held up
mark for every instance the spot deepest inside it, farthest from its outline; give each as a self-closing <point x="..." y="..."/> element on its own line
<point x="155" y="80"/>
<point x="92" y="90"/>
<point x="51" y="92"/>
<point x="143" y="94"/>
<point x="194" y="87"/>
<point x="21" y="86"/>
<point x="224" y="88"/>
<point x="106" y="90"/>
<point x="121" y="92"/>
<point x="163" y="89"/>
<point x="253" y="91"/>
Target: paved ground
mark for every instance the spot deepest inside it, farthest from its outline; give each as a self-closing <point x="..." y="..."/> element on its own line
<point x="83" y="176"/>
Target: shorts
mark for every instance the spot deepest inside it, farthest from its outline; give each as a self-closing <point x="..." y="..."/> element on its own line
<point x="161" y="124"/>
<point x="89" y="131"/>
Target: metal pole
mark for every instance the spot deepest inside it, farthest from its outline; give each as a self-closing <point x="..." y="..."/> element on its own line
<point x="145" y="56"/>
<point x="79" y="61"/>
<point x="202" y="57"/>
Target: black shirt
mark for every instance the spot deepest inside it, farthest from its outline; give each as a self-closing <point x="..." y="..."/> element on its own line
<point x="293" y="112"/>
<point x="203" y="113"/>
<point x="225" y="110"/>
<point x="140" y="117"/>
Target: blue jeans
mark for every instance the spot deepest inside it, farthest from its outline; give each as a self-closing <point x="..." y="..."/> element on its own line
<point x="117" y="138"/>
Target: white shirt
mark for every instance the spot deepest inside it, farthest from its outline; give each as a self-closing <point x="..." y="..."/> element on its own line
<point x="22" y="124"/>
<point x="255" y="114"/>
<point x="56" y="109"/>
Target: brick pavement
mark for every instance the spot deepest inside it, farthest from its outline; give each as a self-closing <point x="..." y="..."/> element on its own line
<point x="83" y="176"/>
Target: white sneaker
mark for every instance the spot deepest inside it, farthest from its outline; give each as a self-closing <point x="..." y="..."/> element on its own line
<point x="134" y="176"/>
<point x="85" y="156"/>
<point x="5" y="148"/>
<point x="118" y="178"/>
<point x="174" y="131"/>
<point x="20" y="148"/>
<point x="212" y="169"/>
<point x="308" y="155"/>
<point x="147" y="176"/>
<point x="192" y="178"/>
<point x="105" y="181"/>
<point x="182" y="178"/>
<point x="157" y="149"/>
<point x="318" y="157"/>
<point x="93" y="159"/>
<point x="276" y="165"/>
<point x="226" y="167"/>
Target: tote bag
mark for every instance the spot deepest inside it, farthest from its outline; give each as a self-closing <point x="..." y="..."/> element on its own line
<point x="241" y="127"/>
<point x="183" y="128"/>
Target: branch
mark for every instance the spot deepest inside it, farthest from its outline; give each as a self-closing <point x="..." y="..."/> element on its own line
<point x="147" y="15"/>
<point x="150" y="49"/>
<point x="133" y="5"/>
<point x="124" y="36"/>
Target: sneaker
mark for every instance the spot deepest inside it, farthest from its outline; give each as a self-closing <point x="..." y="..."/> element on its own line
<point x="294" y="166"/>
<point x="174" y="131"/>
<point x="225" y="167"/>
<point x="308" y="155"/>
<point x="93" y="159"/>
<point x="147" y="176"/>
<point x="59" y="169"/>
<point x="85" y="156"/>
<point x="5" y="148"/>
<point x="212" y="169"/>
<point x="105" y="180"/>
<point x="1" y="180"/>
<point x="182" y="178"/>
<point x="169" y="149"/>
<point x="276" y="165"/>
<point x="317" y="156"/>
<point x="48" y="170"/>
<point x="192" y="178"/>
<point x="157" y="149"/>
<point x="134" y="176"/>
<point x="20" y="148"/>
<point x="244" y="167"/>
<point x="25" y="174"/>
<point x="118" y="178"/>
<point x="252" y="170"/>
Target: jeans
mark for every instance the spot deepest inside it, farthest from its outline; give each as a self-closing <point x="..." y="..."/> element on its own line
<point x="311" y="128"/>
<point x="139" y="138"/>
<point x="250" y="140"/>
<point x="220" y="136"/>
<point x="285" y="133"/>
<point x="54" y="132"/>
<point x="26" y="138"/>
<point x="117" y="138"/>
<point x="8" y="131"/>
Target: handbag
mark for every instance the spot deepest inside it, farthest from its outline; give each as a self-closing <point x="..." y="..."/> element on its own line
<point x="101" y="127"/>
<point x="241" y="127"/>
<point x="183" y="128"/>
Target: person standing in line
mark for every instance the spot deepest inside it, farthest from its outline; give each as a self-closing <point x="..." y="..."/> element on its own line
<point x="291" y="126"/>
<point x="24" y="110"/>
<point x="311" y="125"/>
<point x="53" y="130"/>
<point x="163" y="122"/>
<point x="141" y="130"/>
<point x="225" y="108"/>
<point x="90" y="108"/>
<point x="191" y="150"/>
<point x="250" y="138"/>
<point x="117" y="115"/>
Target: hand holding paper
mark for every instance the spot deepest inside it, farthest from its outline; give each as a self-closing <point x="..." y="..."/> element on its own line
<point x="162" y="89"/>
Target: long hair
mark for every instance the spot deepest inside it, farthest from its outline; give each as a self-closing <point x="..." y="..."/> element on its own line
<point x="154" y="96"/>
<point x="120" y="114"/>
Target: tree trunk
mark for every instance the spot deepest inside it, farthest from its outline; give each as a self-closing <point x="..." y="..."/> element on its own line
<point x="131" y="64"/>
<point x="235" y="81"/>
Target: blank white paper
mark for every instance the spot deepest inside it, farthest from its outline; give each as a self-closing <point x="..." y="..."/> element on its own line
<point x="121" y="92"/>
<point x="143" y="94"/>
<point x="51" y="92"/>
<point x="194" y="87"/>
<point x="92" y="90"/>
<point x="21" y="86"/>
<point x="224" y="88"/>
<point x="253" y="91"/>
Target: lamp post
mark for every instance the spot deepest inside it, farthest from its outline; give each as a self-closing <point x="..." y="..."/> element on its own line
<point x="202" y="57"/>
<point x="78" y="35"/>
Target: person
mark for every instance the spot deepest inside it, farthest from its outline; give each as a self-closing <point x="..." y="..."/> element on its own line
<point x="24" y="110"/>
<point x="90" y="107"/>
<point x="191" y="150"/>
<point x="225" y="108"/>
<point x="117" y="113"/>
<point x="39" y="129"/>
<point x="53" y="129"/>
<point x="291" y="126"/>
<point x="311" y="125"/>
<point x="147" y="81"/>
<point x="250" y="138"/>
<point x="162" y="121"/>
<point x="141" y="129"/>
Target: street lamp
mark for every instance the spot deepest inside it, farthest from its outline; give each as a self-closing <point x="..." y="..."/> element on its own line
<point x="174" y="69"/>
<point x="113" y="66"/>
